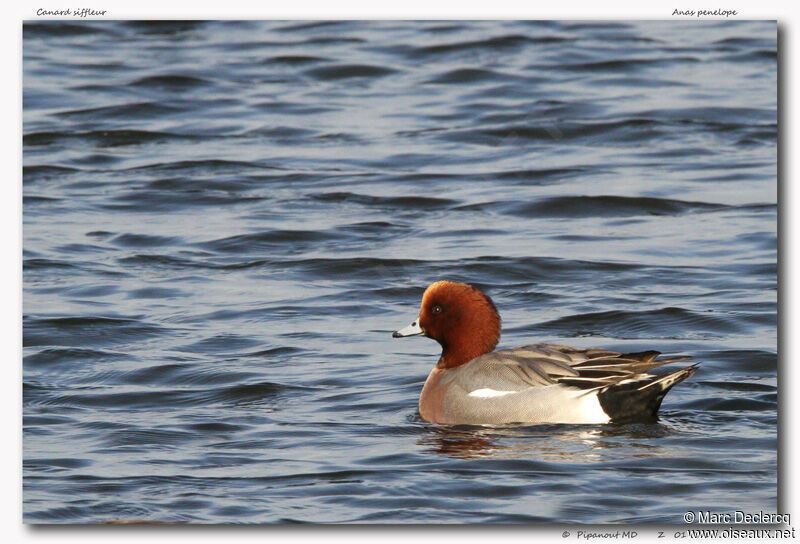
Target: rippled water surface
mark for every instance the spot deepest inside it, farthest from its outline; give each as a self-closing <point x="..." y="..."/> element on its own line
<point x="224" y="222"/>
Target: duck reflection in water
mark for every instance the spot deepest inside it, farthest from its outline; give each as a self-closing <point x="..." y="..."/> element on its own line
<point x="561" y="443"/>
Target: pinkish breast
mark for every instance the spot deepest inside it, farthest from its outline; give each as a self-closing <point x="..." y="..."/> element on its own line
<point x="431" y="400"/>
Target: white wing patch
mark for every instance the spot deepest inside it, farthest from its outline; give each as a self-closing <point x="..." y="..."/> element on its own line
<point x="487" y="393"/>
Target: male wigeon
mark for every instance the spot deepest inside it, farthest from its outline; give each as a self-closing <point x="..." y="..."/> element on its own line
<point x="537" y="383"/>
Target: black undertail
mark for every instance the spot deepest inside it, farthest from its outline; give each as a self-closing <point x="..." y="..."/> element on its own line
<point x="641" y="399"/>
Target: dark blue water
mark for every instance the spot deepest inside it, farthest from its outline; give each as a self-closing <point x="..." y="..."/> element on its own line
<point x="224" y="222"/>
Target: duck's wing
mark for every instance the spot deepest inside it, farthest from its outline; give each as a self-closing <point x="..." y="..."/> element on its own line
<point x="600" y="367"/>
<point x="541" y="365"/>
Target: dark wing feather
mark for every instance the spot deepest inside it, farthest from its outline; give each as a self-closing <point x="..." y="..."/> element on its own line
<point x="599" y="367"/>
<point x="540" y="365"/>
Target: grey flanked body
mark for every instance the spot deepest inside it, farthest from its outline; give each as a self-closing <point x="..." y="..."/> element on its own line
<point x="548" y="383"/>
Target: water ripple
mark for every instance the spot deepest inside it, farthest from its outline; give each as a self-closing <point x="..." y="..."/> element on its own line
<point x="224" y="221"/>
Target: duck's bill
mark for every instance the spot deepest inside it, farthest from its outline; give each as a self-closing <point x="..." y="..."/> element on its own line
<point x="412" y="330"/>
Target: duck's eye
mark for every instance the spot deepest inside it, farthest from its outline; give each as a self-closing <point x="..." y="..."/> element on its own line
<point x="436" y="309"/>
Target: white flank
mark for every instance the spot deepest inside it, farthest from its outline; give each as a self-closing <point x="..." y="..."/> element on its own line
<point x="590" y="410"/>
<point x="486" y="393"/>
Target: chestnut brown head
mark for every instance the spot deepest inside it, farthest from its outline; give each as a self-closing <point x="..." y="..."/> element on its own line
<point x="461" y="318"/>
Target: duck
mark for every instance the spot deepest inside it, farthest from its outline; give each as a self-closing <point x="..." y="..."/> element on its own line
<point x="472" y="384"/>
